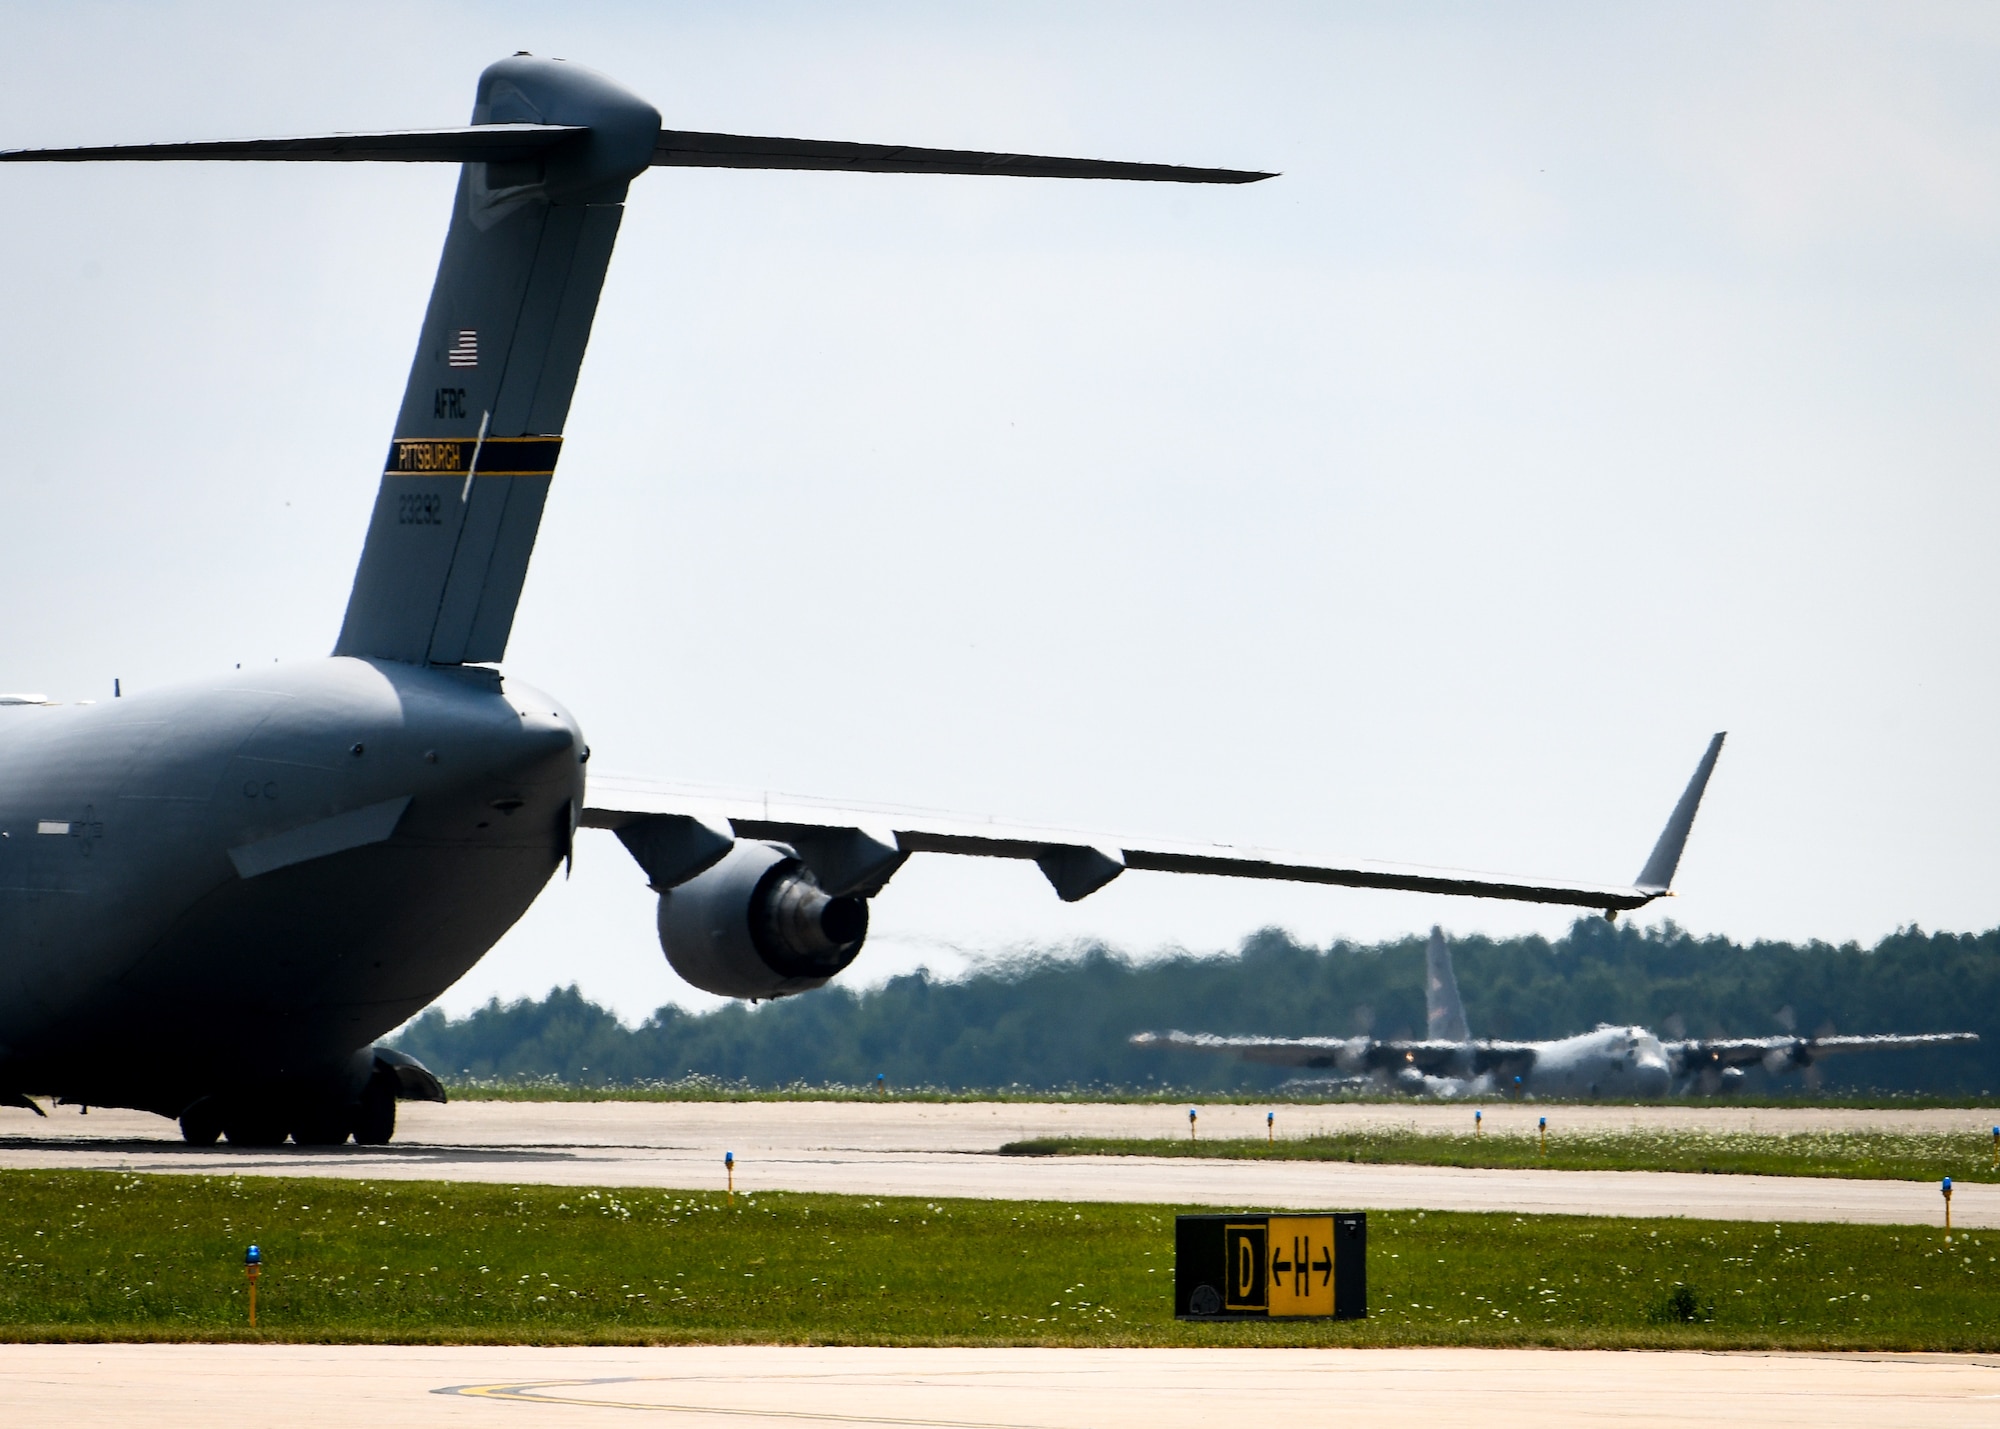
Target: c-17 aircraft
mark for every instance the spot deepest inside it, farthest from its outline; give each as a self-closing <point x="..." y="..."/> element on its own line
<point x="1616" y="1063"/>
<point x="214" y="897"/>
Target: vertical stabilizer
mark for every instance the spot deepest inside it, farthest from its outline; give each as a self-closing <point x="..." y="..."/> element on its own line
<point x="481" y="425"/>
<point x="1444" y="1013"/>
<point x="544" y="168"/>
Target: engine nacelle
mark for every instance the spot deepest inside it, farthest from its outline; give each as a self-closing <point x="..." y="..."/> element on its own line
<point x="757" y="924"/>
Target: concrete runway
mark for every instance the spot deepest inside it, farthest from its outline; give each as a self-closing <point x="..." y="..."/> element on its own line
<point x="929" y="1149"/>
<point x="393" y="1386"/>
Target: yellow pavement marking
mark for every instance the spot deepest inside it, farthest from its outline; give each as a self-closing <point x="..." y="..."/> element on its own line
<point x="525" y="1392"/>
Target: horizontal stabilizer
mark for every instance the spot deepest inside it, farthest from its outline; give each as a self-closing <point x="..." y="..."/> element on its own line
<point x="463" y="144"/>
<point x="679" y="148"/>
<point x="675" y="148"/>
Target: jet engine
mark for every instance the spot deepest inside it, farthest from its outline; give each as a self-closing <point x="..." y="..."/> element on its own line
<point x="757" y="924"/>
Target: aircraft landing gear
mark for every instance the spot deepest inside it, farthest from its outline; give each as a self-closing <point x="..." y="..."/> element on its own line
<point x="320" y="1110"/>
<point x="255" y="1126"/>
<point x="201" y="1123"/>
<point x="322" y="1125"/>
<point x="375" y="1120"/>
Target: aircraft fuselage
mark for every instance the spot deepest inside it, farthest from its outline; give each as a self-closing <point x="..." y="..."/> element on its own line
<point x="1612" y="1062"/>
<point x="1616" y="1063"/>
<point x="248" y="878"/>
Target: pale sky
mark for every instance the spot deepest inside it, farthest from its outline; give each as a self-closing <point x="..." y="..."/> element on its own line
<point x="1594" y="378"/>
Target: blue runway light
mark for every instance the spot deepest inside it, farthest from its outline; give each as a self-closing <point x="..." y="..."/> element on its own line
<point x="253" y="1257"/>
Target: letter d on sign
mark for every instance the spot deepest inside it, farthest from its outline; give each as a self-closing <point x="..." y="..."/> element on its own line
<point x="1244" y="1275"/>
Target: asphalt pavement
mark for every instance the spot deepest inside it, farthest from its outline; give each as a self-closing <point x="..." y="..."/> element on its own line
<point x="390" y="1387"/>
<point x="948" y="1149"/>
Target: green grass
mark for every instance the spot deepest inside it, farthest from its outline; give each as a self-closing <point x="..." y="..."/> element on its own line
<point x="107" y="1255"/>
<point x="1871" y="1155"/>
<point x="545" y="1087"/>
<point x="697" y="1088"/>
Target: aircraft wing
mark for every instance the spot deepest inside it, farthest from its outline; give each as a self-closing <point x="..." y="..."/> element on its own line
<point x="1355" y="1055"/>
<point x="677" y="831"/>
<point x="1345" y="1054"/>
<point x="1781" y="1053"/>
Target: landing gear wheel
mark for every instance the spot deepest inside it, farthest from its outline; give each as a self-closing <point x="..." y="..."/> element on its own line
<point x="375" y="1120"/>
<point x="259" y="1128"/>
<point x="322" y="1126"/>
<point x="201" y="1124"/>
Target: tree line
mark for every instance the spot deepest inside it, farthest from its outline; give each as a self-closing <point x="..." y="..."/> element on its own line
<point x="1056" y="1021"/>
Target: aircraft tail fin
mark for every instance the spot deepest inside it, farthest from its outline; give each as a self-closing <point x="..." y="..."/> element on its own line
<point x="481" y="424"/>
<point x="1658" y="874"/>
<point x="545" y="165"/>
<point x="1444" y="1013"/>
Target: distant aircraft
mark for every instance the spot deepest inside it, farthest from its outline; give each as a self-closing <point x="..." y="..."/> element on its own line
<point x="1611" y="1062"/>
<point x="215" y="897"/>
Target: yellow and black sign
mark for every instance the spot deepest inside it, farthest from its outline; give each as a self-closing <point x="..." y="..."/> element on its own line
<point x="1271" y="1266"/>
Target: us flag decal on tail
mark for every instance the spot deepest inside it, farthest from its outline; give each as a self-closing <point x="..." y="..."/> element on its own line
<point x="464" y="351"/>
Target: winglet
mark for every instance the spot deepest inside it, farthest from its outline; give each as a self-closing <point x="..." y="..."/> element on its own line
<point x="1658" y="874"/>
